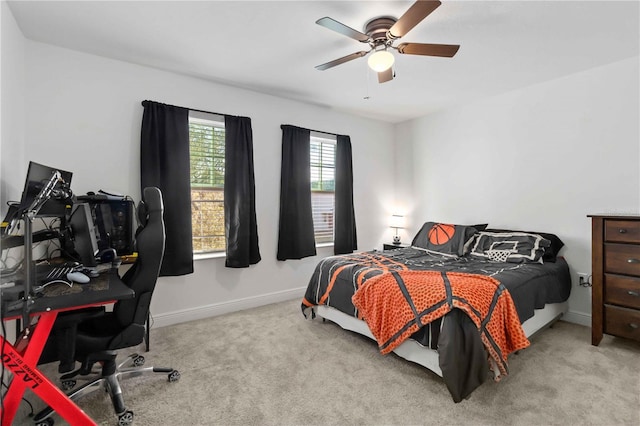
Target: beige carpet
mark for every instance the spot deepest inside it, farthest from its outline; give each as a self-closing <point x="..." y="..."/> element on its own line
<point x="270" y="366"/>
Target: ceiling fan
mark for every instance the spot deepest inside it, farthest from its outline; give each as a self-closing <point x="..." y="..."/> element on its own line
<point x="380" y="34"/>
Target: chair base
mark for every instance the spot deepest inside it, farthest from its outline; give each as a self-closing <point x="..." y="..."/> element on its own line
<point x="107" y="378"/>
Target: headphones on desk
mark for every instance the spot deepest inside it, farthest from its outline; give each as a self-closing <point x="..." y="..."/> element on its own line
<point x="110" y="255"/>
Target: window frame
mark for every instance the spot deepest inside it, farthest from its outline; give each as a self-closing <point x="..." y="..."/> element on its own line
<point x="322" y="139"/>
<point x="216" y="121"/>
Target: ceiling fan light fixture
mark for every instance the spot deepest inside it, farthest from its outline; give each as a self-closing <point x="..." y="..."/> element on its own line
<point x="381" y="60"/>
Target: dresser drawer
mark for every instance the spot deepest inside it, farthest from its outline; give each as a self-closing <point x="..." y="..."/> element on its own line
<point x="622" y="231"/>
<point x="622" y="322"/>
<point x="622" y="291"/>
<point x="622" y="259"/>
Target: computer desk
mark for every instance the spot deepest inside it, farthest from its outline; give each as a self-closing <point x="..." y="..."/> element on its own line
<point x="21" y="358"/>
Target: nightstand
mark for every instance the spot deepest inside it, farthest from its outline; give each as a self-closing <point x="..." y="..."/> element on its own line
<point x="390" y="246"/>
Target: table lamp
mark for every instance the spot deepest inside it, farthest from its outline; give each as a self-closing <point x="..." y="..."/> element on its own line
<point x="397" y="222"/>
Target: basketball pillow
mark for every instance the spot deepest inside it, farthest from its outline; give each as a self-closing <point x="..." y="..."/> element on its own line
<point x="444" y="238"/>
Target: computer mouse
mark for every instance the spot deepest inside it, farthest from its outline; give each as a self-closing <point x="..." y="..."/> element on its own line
<point x="78" y="277"/>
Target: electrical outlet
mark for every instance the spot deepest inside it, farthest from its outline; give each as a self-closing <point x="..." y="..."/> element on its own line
<point x="583" y="279"/>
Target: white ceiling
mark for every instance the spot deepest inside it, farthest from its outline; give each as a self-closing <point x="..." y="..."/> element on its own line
<point x="273" y="46"/>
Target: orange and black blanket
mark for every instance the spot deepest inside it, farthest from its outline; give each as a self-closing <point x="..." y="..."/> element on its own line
<point x="396" y="303"/>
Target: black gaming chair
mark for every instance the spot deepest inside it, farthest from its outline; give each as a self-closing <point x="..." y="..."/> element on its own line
<point x="97" y="336"/>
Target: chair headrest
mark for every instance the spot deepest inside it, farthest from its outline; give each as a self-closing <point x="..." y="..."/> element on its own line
<point x="152" y="197"/>
<point x="151" y="202"/>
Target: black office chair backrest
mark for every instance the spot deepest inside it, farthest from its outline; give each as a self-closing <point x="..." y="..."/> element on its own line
<point x="142" y="276"/>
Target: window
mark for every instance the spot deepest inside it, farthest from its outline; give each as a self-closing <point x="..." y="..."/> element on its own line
<point x="206" y="145"/>
<point x="323" y="172"/>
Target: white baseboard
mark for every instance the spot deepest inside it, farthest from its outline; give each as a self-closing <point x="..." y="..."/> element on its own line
<point x="200" y="312"/>
<point x="579" y="318"/>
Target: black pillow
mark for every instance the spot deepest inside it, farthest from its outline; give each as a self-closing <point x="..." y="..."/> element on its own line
<point x="550" y="253"/>
<point x="444" y="238"/>
<point x="513" y="247"/>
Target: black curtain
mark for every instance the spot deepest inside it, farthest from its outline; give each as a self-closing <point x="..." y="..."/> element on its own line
<point x="239" y="194"/>
<point x="345" y="240"/>
<point x="164" y="163"/>
<point x="295" y="235"/>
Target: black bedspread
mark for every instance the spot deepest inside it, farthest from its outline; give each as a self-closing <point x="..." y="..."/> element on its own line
<point x="531" y="285"/>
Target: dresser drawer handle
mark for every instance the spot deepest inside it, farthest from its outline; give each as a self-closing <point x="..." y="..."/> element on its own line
<point x="633" y="325"/>
<point x="633" y="260"/>
<point x="622" y="231"/>
<point x="633" y="293"/>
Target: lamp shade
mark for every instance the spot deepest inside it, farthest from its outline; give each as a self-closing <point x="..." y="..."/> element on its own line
<point x="381" y="61"/>
<point x="397" y="221"/>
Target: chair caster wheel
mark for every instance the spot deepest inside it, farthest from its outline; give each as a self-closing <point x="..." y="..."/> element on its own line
<point x="45" y="422"/>
<point x="174" y="376"/>
<point x="67" y="385"/>
<point x="126" y="418"/>
<point x="138" y="361"/>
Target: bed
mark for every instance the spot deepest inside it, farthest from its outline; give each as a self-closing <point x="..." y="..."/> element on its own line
<point x="458" y="301"/>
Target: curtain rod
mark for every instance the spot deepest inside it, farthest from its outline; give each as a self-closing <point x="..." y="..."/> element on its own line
<point x="190" y="109"/>
<point x="217" y="113"/>
<point x="312" y="130"/>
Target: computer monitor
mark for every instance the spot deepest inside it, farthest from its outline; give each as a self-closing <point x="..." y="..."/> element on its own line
<point x="83" y="234"/>
<point x="37" y="177"/>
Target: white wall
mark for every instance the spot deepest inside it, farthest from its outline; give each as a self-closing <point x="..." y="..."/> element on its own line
<point x="540" y="158"/>
<point x="86" y="116"/>
<point x="12" y="121"/>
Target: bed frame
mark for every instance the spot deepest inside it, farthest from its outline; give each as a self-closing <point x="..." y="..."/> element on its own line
<point x="424" y="356"/>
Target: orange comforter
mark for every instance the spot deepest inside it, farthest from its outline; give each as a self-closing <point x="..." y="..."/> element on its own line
<point x="397" y="303"/>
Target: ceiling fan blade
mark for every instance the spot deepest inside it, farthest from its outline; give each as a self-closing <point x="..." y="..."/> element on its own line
<point x="444" y="50"/>
<point x="341" y="60"/>
<point x="412" y="17"/>
<point x="341" y="28"/>
<point x="385" y="76"/>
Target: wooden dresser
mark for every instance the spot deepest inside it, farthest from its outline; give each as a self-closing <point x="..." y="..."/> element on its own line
<point x="616" y="277"/>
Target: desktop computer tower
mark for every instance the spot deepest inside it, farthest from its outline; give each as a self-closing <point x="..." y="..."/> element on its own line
<point x="115" y="224"/>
